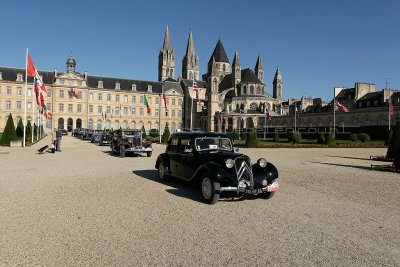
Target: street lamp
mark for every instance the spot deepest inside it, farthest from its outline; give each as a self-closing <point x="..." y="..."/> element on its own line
<point x="240" y="121"/>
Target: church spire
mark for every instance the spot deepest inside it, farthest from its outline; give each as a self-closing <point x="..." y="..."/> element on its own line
<point x="190" y="61"/>
<point x="236" y="60"/>
<point x="167" y="41"/>
<point x="277" y="85"/>
<point x="259" y="68"/>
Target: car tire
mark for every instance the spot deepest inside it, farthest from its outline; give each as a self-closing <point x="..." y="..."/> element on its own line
<point x="149" y="153"/>
<point x="122" y="151"/>
<point x="210" y="190"/>
<point x="161" y="172"/>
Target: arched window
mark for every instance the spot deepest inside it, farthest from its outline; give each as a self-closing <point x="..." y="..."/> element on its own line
<point x="190" y="75"/>
<point x="253" y="106"/>
<point x="90" y="124"/>
<point x="223" y="68"/>
<point x="48" y="123"/>
<point x="215" y="84"/>
<point x="99" y="125"/>
<point x="259" y="90"/>
<point x="124" y="125"/>
<point x="173" y="127"/>
<point x="61" y="123"/>
<point x="244" y="89"/>
<point x="116" y="125"/>
<point x="171" y="73"/>
<point x="133" y="124"/>
<point x="252" y="89"/>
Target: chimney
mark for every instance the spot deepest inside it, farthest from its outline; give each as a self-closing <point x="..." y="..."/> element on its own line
<point x="55" y="72"/>
<point x="85" y="75"/>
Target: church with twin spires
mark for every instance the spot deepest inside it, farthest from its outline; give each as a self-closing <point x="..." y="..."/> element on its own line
<point x="229" y="96"/>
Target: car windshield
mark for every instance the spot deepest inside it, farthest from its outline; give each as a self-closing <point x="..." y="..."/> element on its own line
<point x="213" y="143"/>
<point x="130" y="134"/>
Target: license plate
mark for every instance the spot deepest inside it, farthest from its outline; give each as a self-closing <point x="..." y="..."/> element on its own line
<point x="253" y="191"/>
<point x="273" y="187"/>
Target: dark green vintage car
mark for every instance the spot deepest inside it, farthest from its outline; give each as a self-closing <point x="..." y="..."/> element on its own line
<point x="210" y="159"/>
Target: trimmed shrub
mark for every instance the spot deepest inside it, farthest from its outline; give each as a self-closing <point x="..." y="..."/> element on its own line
<point x="234" y="135"/>
<point x="276" y="137"/>
<point x="166" y="134"/>
<point x="289" y="136"/>
<point x="363" y="137"/>
<point x="251" y="137"/>
<point x="394" y="145"/>
<point x="354" y="137"/>
<point x="154" y="133"/>
<point x="321" y="138"/>
<point x="9" y="133"/>
<point x="144" y="135"/>
<point x="389" y="137"/>
<point x="330" y="139"/>
<point x="20" y="129"/>
<point x="296" y="137"/>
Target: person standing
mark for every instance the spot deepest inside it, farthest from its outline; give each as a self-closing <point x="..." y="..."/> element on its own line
<point x="54" y="140"/>
<point x="58" y="136"/>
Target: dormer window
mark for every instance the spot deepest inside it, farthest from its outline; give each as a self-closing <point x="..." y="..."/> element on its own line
<point x="1" y="76"/>
<point x="117" y="86"/>
<point x="149" y="88"/>
<point x="100" y="84"/>
<point x="133" y="87"/>
<point x="62" y="81"/>
<point x="20" y="77"/>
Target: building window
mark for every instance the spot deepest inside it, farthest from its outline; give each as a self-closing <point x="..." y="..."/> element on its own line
<point x="70" y="108"/>
<point x="125" y="99"/>
<point x="133" y="111"/>
<point x="180" y="102"/>
<point x="253" y="106"/>
<point x="29" y="91"/>
<point x="79" y="95"/>
<point x="149" y="100"/>
<point x="149" y="88"/>
<point x="108" y="109"/>
<point x="179" y="113"/>
<point x="48" y="106"/>
<point x="100" y="84"/>
<point x="134" y="99"/>
<point x="29" y="105"/>
<point x="252" y="90"/>
<point x="117" y="86"/>
<point x="141" y="99"/>
<point x="117" y="110"/>
<point x="141" y="111"/>
<point x="61" y="107"/>
<point x="108" y="97"/>
<point x="9" y="91"/>
<point x="90" y="108"/>
<point x="133" y="87"/>
<point x="173" y="113"/>
<point x="19" y="91"/>
<point x="100" y="96"/>
<point x="125" y="111"/>
<point x="173" y="102"/>
<point x="79" y="108"/>
<point x="8" y="105"/>
<point x="48" y="93"/>
<point x="117" y="98"/>
<point x="100" y="109"/>
<point x="20" y="77"/>
<point x="156" y="112"/>
<point x="91" y="96"/>
<point x="99" y="125"/>
<point x="244" y="90"/>
<point x="62" y="81"/>
<point x="79" y="83"/>
<point x="61" y="93"/>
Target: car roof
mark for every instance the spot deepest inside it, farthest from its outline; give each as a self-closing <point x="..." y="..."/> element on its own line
<point x="199" y="134"/>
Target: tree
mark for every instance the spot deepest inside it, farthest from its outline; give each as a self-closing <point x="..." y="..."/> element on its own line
<point x="20" y="129"/>
<point x="234" y="135"/>
<point x="394" y="142"/>
<point x="296" y="137"/>
<point x="389" y="137"/>
<point x="166" y="134"/>
<point x="330" y="139"/>
<point x="9" y="133"/>
<point x="28" y="133"/>
<point x="321" y="138"/>
<point x="251" y="137"/>
<point x="276" y="137"/>
<point x="144" y="135"/>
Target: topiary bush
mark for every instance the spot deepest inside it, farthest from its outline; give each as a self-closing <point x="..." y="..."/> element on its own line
<point x="321" y="138"/>
<point x="251" y="137"/>
<point x="144" y="135"/>
<point x="20" y="129"/>
<point x="296" y="137"/>
<point x="389" y="137"/>
<point x="276" y="137"/>
<point x="289" y="136"/>
<point x="234" y="135"/>
<point x="166" y="134"/>
<point x="9" y="133"/>
<point x="354" y="137"/>
<point x="394" y="142"/>
<point x="363" y="137"/>
<point x="330" y="140"/>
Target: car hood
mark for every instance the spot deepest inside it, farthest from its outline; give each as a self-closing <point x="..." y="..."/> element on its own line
<point x="220" y="156"/>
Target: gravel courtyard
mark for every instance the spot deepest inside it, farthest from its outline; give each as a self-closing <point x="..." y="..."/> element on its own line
<point x="86" y="207"/>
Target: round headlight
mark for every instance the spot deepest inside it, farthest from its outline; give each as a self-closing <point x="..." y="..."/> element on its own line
<point x="262" y="162"/>
<point x="229" y="163"/>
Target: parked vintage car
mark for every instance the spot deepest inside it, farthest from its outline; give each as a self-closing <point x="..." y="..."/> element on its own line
<point x="96" y="135"/>
<point x="130" y="141"/>
<point x="210" y="159"/>
<point x="86" y="134"/>
<point x="105" y="138"/>
<point x="64" y="132"/>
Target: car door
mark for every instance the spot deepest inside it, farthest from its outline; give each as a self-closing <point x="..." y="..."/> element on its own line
<point x="173" y="156"/>
<point x="185" y="164"/>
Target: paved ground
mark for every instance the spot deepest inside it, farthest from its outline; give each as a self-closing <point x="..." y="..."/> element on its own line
<point x="85" y="207"/>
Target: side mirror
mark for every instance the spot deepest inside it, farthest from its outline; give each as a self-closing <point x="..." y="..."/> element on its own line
<point x="236" y="149"/>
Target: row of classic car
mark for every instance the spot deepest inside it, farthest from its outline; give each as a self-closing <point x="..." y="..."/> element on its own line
<point x="210" y="160"/>
<point x="122" y="141"/>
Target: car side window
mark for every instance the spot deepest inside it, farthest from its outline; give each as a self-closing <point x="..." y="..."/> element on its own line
<point x="185" y="145"/>
<point x="173" y="145"/>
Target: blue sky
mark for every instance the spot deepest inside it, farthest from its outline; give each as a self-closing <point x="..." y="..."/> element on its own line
<point x="316" y="44"/>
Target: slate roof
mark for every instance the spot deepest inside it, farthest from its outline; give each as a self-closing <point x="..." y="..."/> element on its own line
<point x="10" y="74"/>
<point x="371" y="96"/>
<point x="248" y="76"/>
<point x="189" y="83"/>
<point x="219" y="53"/>
<point x="345" y="93"/>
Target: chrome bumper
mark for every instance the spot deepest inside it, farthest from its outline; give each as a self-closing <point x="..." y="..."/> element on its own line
<point x="274" y="187"/>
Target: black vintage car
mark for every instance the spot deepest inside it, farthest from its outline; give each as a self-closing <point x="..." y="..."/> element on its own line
<point x="210" y="159"/>
<point x="105" y="138"/>
<point x="130" y="141"/>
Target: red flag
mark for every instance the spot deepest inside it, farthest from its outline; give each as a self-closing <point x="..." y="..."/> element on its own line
<point x="165" y="100"/>
<point x="391" y="108"/>
<point x="74" y="93"/>
<point x="31" y="70"/>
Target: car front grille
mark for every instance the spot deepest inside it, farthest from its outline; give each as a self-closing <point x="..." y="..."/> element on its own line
<point x="243" y="170"/>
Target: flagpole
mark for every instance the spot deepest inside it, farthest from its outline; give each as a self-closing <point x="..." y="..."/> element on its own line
<point x="26" y="91"/>
<point x="265" y="120"/>
<point x="141" y="128"/>
<point x="295" y="115"/>
<point x="159" y="114"/>
<point x="390" y="102"/>
<point x="334" y="113"/>
<point x="33" y="110"/>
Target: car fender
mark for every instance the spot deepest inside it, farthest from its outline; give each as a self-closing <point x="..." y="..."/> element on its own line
<point x="164" y="158"/>
<point x="217" y="173"/>
<point x="270" y="172"/>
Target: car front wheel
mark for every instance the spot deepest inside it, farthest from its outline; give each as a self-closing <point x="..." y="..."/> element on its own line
<point x="210" y="190"/>
<point x="161" y="172"/>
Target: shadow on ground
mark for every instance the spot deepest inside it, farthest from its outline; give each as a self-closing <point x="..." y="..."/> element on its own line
<point x="343" y="157"/>
<point x="343" y="165"/>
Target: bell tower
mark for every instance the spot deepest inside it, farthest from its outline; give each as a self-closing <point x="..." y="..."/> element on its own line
<point x="166" y="59"/>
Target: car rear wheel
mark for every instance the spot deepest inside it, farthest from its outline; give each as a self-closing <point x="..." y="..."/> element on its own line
<point x="210" y="190"/>
<point x="161" y="172"/>
<point x="122" y="151"/>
